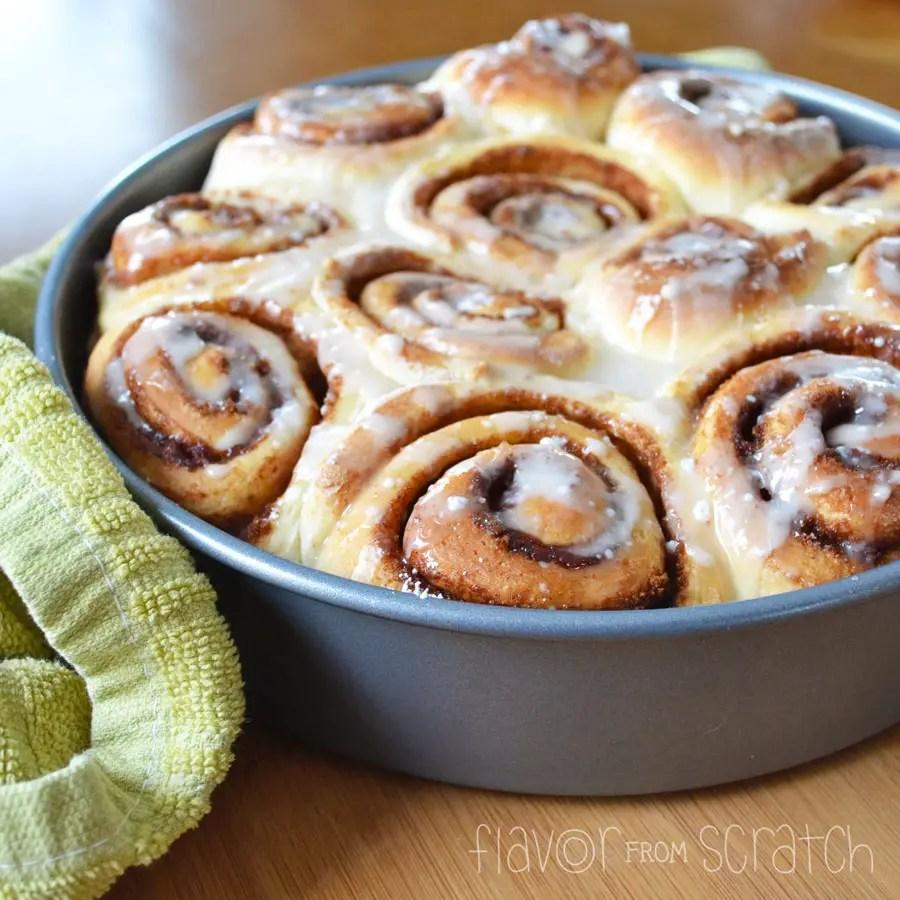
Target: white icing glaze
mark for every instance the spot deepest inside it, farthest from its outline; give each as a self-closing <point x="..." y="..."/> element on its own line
<point x="729" y="101"/>
<point x="887" y="264"/>
<point x="833" y="289"/>
<point x="241" y="345"/>
<point x="547" y="473"/>
<point x="574" y="50"/>
<point x="387" y="429"/>
<point x="552" y="221"/>
<point x="679" y="286"/>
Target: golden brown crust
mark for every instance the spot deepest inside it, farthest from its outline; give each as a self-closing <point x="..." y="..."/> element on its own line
<point x="558" y="74"/>
<point x="724" y="142"/>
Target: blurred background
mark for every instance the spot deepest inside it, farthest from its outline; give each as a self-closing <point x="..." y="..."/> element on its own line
<point x="88" y="86"/>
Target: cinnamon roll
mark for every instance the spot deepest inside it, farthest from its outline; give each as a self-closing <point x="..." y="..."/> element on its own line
<point x="557" y="75"/>
<point x="797" y="441"/>
<point x="209" y="403"/>
<point x="724" y="142"/>
<point x="418" y="317"/>
<point x="193" y="247"/>
<point x="534" y="209"/>
<point x="845" y="205"/>
<point x="346" y="144"/>
<point x="684" y="281"/>
<point x="515" y="496"/>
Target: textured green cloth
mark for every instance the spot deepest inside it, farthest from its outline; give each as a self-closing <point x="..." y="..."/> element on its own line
<point x="120" y="690"/>
<point x="20" y="281"/>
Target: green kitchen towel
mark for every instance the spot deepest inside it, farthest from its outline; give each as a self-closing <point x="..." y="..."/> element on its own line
<point x="20" y="282"/>
<point x="120" y="689"/>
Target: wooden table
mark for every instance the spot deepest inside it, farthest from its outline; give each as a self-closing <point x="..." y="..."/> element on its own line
<point x="86" y="92"/>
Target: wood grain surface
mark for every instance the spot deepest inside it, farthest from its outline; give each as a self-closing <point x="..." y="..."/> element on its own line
<point x="88" y="87"/>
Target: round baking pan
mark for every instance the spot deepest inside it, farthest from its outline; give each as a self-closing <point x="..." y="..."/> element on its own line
<point x="523" y="700"/>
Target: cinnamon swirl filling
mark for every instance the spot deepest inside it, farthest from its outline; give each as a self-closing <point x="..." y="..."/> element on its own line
<point x="548" y="215"/>
<point x="207" y="404"/>
<point x="802" y="456"/>
<point x="864" y="179"/>
<point x="540" y="523"/>
<point x="189" y="228"/>
<point x="329" y="114"/>
<point x="505" y="496"/>
<point x="391" y="293"/>
<point x="536" y="205"/>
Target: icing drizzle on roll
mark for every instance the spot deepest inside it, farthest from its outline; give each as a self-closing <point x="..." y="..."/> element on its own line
<point x="575" y="41"/>
<point x="553" y="504"/>
<point x="205" y="388"/>
<point x="559" y="74"/>
<point x="684" y="281"/>
<point x="724" y="141"/>
<point x="727" y="101"/>
<point x="525" y="510"/>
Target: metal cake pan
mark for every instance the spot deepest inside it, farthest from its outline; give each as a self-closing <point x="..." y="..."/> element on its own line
<point x="522" y="700"/>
